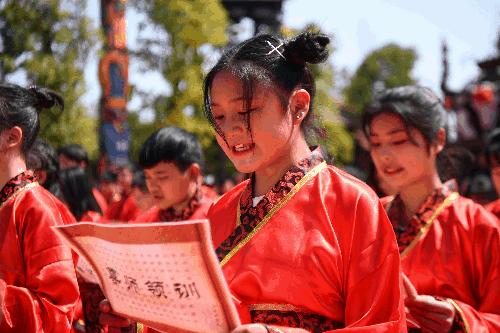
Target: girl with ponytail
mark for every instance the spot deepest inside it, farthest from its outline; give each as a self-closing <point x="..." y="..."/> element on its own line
<point x="38" y="287"/>
<point x="303" y="246"/>
<point x="449" y="244"/>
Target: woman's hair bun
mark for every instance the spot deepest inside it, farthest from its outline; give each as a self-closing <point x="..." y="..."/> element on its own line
<point x="307" y="47"/>
<point x="45" y="98"/>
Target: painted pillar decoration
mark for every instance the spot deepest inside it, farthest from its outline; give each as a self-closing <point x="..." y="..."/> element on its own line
<point x="114" y="133"/>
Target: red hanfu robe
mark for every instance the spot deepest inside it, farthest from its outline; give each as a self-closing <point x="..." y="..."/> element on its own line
<point x="494" y="208"/>
<point x="317" y="253"/>
<point x="450" y="249"/>
<point x="38" y="287"/>
<point x="125" y="210"/>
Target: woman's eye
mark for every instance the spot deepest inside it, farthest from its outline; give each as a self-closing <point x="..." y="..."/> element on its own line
<point x="399" y="142"/>
<point x="374" y="144"/>
<point x="218" y="117"/>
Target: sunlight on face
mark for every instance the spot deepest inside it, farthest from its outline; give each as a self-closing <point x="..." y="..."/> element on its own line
<point x="168" y="185"/>
<point x="271" y="126"/>
<point x="399" y="161"/>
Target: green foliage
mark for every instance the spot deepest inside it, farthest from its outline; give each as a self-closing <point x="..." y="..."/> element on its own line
<point x="50" y="41"/>
<point x="191" y="26"/>
<point x="391" y="64"/>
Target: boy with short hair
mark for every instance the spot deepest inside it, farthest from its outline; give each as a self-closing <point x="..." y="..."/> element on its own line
<point x="172" y="160"/>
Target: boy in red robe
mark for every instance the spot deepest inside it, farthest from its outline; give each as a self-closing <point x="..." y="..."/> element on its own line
<point x="38" y="287"/>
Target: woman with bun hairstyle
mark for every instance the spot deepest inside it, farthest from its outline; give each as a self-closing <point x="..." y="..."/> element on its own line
<point x="304" y="247"/>
<point x="38" y="287"/>
<point x="448" y="243"/>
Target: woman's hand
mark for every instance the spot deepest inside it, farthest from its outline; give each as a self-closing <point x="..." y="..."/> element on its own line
<point x="432" y="314"/>
<point x="114" y="322"/>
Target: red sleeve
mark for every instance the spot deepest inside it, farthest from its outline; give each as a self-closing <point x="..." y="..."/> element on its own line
<point x="374" y="300"/>
<point x="485" y="317"/>
<point x="47" y="299"/>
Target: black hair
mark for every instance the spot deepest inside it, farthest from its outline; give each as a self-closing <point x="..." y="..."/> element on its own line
<point x="139" y="181"/>
<point x="74" y="152"/>
<point x="272" y="61"/>
<point x="108" y="177"/>
<point x="493" y="147"/>
<point x="171" y="144"/>
<point x="42" y="156"/>
<point x="418" y="107"/>
<point x="77" y="192"/>
<point x="21" y="107"/>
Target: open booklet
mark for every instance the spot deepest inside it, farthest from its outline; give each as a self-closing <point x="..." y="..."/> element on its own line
<point x="164" y="275"/>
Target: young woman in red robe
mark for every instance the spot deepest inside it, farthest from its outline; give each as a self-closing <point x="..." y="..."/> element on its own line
<point x="304" y="247"/>
<point x="449" y="244"/>
<point x="38" y="287"/>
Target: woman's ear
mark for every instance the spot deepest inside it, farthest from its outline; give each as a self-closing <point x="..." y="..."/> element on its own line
<point x="299" y="105"/>
<point x="13" y="136"/>
<point x="441" y="140"/>
<point x="194" y="171"/>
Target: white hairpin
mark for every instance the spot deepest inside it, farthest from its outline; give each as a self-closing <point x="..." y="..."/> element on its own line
<point x="275" y="49"/>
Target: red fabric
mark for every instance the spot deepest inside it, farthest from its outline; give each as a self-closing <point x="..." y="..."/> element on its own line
<point x="494" y="207"/>
<point x="38" y="287"/>
<point x="329" y="254"/>
<point x="101" y="201"/>
<point x="125" y="210"/>
<point x="458" y="258"/>
<point x="91" y="216"/>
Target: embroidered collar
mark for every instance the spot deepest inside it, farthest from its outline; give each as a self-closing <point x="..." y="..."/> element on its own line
<point x="15" y="184"/>
<point x="249" y="216"/>
<point x="407" y="230"/>
<point x="280" y="189"/>
<point x="170" y="214"/>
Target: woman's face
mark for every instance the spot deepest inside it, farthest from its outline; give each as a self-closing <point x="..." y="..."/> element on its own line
<point x="399" y="161"/>
<point x="272" y="128"/>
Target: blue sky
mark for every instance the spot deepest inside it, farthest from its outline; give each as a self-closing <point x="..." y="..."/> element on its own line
<point x="469" y="26"/>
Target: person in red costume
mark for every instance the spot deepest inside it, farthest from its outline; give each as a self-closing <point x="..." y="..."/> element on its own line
<point x="448" y="243"/>
<point x="38" y="287"/>
<point x="493" y="157"/>
<point x="78" y="196"/>
<point x="74" y="155"/>
<point x="304" y="247"/>
<point x="172" y="159"/>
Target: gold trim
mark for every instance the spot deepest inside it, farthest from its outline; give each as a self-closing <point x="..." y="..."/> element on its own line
<point x="238" y="212"/>
<point x="423" y="231"/>
<point x="17" y="192"/>
<point x="273" y="210"/>
<point x="461" y="313"/>
<point x="275" y="307"/>
<point x="140" y="327"/>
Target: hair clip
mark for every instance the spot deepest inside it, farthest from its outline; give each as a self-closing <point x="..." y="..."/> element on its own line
<point x="275" y="48"/>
